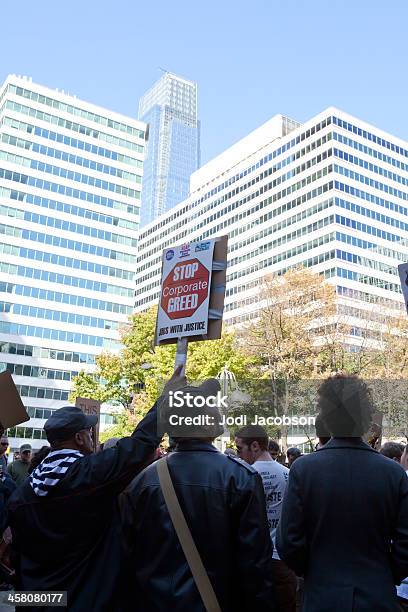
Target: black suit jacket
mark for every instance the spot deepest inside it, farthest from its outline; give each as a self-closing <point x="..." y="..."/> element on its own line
<point x="344" y="525"/>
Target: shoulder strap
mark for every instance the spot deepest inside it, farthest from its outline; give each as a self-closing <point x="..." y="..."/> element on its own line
<point x="187" y="543"/>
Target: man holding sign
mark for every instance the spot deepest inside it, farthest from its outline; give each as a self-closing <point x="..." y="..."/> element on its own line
<point x="65" y="517"/>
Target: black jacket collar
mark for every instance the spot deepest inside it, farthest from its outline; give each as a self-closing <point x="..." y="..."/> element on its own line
<point x="353" y="443"/>
<point x="195" y="445"/>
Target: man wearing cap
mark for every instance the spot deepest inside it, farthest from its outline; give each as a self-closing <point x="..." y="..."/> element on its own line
<point x="223" y="503"/>
<point x="18" y="470"/>
<point x="65" y="518"/>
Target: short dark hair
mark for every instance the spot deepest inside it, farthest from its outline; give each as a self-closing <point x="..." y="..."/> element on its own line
<point x="346" y="405"/>
<point x="253" y="433"/>
<point x="273" y="446"/>
<point x="392" y="450"/>
<point x="294" y="452"/>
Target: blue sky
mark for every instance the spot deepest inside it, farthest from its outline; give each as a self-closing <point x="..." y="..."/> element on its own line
<point x="251" y="59"/>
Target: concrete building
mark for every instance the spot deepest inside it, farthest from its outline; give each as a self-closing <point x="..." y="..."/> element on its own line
<point x="173" y="148"/>
<point x="330" y="194"/>
<point x="70" y="190"/>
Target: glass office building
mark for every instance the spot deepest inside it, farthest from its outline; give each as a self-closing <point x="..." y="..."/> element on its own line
<point x="173" y="149"/>
<point x="70" y="191"/>
<point x="331" y="195"/>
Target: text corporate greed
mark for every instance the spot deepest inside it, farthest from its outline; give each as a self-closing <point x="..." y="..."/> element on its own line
<point x="184" y="296"/>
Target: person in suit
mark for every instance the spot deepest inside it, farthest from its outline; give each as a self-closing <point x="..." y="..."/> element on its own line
<point x="344" y="522"/>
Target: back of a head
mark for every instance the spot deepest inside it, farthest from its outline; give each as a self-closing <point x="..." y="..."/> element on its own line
<point x="392" y="450"/>
<point x="294" y="452"/>
<point x="346" y="406"/>
<point x="273" y="446"/>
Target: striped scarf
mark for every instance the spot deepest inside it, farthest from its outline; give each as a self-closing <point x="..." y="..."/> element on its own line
<point x="52" y="469"/>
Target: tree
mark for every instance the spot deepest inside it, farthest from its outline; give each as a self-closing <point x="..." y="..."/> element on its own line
<point x="134" y="378"/>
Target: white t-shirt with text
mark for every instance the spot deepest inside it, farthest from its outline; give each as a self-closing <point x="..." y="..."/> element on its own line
<point x="274" y="478"/>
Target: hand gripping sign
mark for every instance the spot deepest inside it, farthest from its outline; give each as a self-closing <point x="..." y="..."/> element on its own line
<point x="192" y="292"/>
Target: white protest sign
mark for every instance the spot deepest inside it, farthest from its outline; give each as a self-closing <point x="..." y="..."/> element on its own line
<point x="185" y="291"/>
<point x="403" y="273"/>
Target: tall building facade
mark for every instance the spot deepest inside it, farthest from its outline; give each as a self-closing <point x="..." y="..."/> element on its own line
<point x="70" y="191"/>
<point x="173" y="148"/>
<point x="331" y="195"/>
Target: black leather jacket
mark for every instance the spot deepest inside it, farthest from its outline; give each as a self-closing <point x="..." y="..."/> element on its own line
<point x="70" y="539"/>
<point x="224" y="506"/>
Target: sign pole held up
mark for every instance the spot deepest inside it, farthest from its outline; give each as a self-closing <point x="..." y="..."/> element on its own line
<point x="181" y="354"/>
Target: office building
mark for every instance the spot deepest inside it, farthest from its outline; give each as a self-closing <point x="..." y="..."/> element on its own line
<point x="70" y="190"/>
<point x="173" y="149"/>
<point x="330" y="195"/>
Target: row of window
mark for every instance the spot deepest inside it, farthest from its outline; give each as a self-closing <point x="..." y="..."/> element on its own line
<point x="27" y="145"/>
<point x="63" y="279"/>
<point x="71" y="125"/>
<point x="369" y="136"/>
<point x="46" y="353"/>
<point x="355" y="294"/>
<point x="367" y="263"/>
<point x="19" y="329"/>
<point x="366" y="212"/>
<point x="368" y="229"/>
<point x="42" y="392"/>
<point x="274" y="244"/>
<point x="70" y="175"/>
<point x="67" y="226"/>
<point x="369" y="197"/>
<point x="369" y="151"/>
<point x="64" y="298"/>
<point x="368" y="280"/>
<point x="29" y="433"/>
<point x="364" y="244"/>
<point x="74" y="245"/>
<point x="367" y="181"/>
<point x="353" y="159"/>
<point x="70" y="209"/>
<point x="78" y="112"/>
<point x="69" y="262"/>
<point x="292" y="143"/>
<point x="19" y="369"/>
<point x="58" y="315"/>
<point x="71" y="192"/>
<point x="71" y="142"/>
<point x="237" y="246"/>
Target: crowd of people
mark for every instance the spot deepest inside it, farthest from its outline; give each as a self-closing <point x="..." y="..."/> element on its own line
<point x="125" y="529"/>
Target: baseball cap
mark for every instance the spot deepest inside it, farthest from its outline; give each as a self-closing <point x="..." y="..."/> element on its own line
<point x="199" y="427"/>
<point x="67" y="421"/>
<point x="25" y="447"/>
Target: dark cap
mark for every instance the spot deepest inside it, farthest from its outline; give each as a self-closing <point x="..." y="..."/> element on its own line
<point x="66" y="422"/>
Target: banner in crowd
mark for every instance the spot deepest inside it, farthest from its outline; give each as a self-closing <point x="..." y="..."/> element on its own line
<point x="185" y="291"/>
<point x="91" y="407"/>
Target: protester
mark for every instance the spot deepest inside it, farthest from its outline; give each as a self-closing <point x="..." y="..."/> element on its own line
<point x="252" y="447"/>
<point x="273" y="449"/>
<point x="18" y="470"/>
<point x="4" y="444"/>
<point x="65" y="517"/>
<point x="392" y="450"/>
<point x="223" y="502"/>
<point x="344" y="519"/>
<point x="292" y="454"/>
